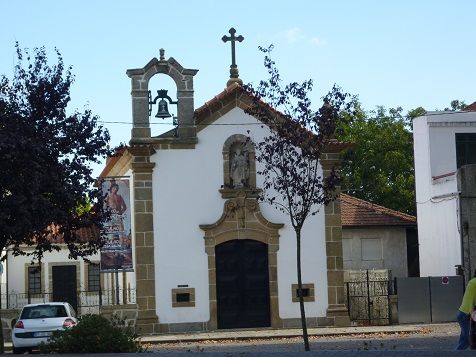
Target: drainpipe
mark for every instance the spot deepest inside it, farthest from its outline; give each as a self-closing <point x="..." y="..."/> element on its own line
<point x="466" y="263"/>
<point x="461" y="236"/>
<point x="6" y="280"/>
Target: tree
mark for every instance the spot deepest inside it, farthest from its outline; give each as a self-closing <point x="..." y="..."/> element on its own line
<point x="379" y="167"/>
<point x="289" y="155"/>
<point x="456" y="105"/>
<point x="46" y="187"/>
<point x="45" y="178"/>
<point x="45" y="156"/>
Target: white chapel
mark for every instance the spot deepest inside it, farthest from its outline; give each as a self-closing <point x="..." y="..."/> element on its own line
<point x="206" y="253"/>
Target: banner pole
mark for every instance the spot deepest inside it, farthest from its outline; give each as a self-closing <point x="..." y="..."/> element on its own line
<point x="117" y="286"/>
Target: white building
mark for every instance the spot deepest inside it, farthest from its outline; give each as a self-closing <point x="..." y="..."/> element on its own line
<point x="59" y="278"/>
<point x="443" y="142"/>
<point x="207" y="254"/>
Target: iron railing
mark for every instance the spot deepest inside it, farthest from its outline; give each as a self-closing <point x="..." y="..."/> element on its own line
<point x="87" y="301"/>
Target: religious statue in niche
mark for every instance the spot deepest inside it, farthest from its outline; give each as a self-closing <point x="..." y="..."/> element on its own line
<point x="239" y="168"/>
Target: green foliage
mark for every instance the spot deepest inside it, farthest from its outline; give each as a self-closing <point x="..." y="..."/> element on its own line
<point x="84" y="208"/>
<point x="379" y="168"/>
<point x="46" y="155"/>
<point x="94" y="334"/>
<point x="456" y="105"/>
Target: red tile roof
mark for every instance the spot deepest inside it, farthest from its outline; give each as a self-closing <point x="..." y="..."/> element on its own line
<point x="471" y="107"/>
<point x="356" y="212"/>
<point x="83" y="235"/>
<point x="112" y="161"/>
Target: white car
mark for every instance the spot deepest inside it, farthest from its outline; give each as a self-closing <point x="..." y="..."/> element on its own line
<point x="38" y="321"/>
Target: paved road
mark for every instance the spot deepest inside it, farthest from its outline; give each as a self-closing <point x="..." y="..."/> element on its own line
<point x="432" y="339"/>
<point x="428" y="341"/>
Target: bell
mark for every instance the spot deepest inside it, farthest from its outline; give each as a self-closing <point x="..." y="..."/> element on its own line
<point x="163" y="111"/>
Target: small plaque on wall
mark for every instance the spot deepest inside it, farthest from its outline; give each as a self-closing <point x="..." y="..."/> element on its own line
<point x="183" y="297"/>
<point x="307" y="291"/>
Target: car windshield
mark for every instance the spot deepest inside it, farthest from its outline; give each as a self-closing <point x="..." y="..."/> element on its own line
<point x="43" y="311"/>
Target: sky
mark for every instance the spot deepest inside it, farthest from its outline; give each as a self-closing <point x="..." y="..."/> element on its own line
<point x="406" y="53"/>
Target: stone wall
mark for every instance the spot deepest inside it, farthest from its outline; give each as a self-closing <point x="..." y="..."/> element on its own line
<point x="7" y="316"/>
<point x="467" y="187"/>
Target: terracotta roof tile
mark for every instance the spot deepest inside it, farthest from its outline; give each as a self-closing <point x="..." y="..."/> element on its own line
<point x="83" y="234"/>
<point x="215" y="104"/>
<point x="471" y="107"/>
<point x="356" y="212"/>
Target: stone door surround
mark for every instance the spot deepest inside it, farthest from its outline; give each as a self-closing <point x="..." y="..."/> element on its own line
<point x="242" y="219"/>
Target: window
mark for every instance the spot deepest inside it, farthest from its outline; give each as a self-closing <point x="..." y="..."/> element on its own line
<point x="183" y="297"/>
<point x="305" y="292"/>
<point x="34" y="280"/>
<point x="371" y="248"/>
<point x="93" y="277"/>
<point x="43" y="311"/>
<point x="465" y="149"/>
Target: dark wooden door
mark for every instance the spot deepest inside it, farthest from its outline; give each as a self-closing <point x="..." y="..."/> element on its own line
<point x="242" y="282"/>
<point x="64" y="284"/>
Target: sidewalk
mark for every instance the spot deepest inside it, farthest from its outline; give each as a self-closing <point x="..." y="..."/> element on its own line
<point x="275" y="333"/>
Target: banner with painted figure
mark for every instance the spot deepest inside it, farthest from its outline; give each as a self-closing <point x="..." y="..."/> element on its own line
<point x="116" y="254"/>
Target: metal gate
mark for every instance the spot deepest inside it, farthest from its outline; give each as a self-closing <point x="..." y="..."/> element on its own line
<point x="429" y="299"/>
<point x="368" y="300"/>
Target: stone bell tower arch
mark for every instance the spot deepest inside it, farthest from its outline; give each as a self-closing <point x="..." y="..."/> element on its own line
<point x="183" y="78"/>
<point x="141" y="147"/>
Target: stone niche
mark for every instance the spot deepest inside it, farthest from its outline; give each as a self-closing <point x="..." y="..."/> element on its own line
<point x="239" y="167"/>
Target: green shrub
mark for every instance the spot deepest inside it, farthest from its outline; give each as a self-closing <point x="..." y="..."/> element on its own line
<point x="94" y="334"/>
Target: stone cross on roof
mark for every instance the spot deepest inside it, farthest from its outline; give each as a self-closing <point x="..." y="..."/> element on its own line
<point x="233" y="68"/>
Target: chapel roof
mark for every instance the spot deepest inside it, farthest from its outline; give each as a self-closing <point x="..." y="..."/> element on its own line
<point x="237" y="96"/>
<point x="113" y="161"/>
<point x="356" y="212"/>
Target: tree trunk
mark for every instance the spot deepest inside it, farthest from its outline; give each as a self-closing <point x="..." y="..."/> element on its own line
<point x="2" y="342"/>
<point x="300" y="294"/>
<point x="2" y="339"/>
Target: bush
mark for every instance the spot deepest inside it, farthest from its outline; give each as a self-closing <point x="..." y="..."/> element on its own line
<point x="94" y="334"/>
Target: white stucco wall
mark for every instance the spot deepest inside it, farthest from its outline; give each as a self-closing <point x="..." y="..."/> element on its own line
<point x="436" y="189"/>
<point x="16" y="273"/>
<point x="17" y="269"/>
<point x="186" y="184"/>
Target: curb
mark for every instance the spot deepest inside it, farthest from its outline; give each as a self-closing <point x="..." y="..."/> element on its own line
<point x="237" y="335"/>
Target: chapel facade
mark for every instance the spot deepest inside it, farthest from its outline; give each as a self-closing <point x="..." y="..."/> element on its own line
<point x="207" y="254"/>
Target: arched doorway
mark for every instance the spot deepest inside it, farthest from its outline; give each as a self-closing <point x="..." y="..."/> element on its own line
<point x="242" y="283"/>
<point x="242" y="221"/>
